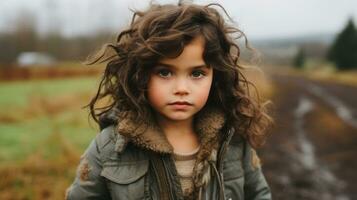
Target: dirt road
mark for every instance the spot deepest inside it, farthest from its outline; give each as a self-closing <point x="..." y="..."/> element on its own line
<point x="312" y="153"/>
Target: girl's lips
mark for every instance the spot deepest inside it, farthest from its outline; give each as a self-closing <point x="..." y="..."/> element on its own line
<point x="180" y="105"/>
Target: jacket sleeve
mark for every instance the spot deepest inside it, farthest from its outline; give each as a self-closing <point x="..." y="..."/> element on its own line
<point x="255" y="186"/>
<point x="88" y="183"/>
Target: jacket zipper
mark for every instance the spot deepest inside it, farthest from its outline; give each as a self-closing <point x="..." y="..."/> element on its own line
<point x="161" y="177"/>
<point x="172" y="196"/>
<point x="220" y="161"/>
<point x="224" y="149"/>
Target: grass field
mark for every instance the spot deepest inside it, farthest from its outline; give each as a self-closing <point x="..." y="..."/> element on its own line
<point x="43" y="131"/>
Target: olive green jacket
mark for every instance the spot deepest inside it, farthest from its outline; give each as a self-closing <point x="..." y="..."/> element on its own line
<point x="128" y="160"/>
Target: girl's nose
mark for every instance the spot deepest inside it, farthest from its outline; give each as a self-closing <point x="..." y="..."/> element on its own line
<point x="181" y="87"/>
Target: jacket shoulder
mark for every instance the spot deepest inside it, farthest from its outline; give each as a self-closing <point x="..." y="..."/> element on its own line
<point x="110" y="143"/>
<point x="240" y="149"/>
<point x="114" y="146"/>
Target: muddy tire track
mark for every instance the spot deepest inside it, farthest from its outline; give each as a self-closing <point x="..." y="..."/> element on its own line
<point x="311" y="154"/>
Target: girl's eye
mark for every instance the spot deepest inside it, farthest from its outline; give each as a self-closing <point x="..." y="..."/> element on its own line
<point x="164" y="73"/>
<point x="198" y="74"/>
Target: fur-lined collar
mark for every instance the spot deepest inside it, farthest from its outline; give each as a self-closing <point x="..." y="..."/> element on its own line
<point x="207" y="124"/>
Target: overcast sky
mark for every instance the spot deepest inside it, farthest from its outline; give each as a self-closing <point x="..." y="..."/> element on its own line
<point x="259" y="19"/>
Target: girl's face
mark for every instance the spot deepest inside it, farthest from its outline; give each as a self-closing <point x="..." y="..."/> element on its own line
<point x="179" y="87"/>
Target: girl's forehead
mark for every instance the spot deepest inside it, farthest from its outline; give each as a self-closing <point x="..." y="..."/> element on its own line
<point x="181" y="67"/>
<point x="191" y="53"/>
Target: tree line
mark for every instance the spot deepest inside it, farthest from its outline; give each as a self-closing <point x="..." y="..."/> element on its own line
<point x="61" y="48"/>
<point x="24" y="37"/>
<point x="342" y="52"/>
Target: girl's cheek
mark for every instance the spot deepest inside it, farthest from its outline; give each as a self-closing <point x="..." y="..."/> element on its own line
<point x="156" y="91"/>
<point x="203" y="93"/>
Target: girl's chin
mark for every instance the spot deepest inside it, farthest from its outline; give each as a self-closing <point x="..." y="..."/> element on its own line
<point x="178" y="117"/>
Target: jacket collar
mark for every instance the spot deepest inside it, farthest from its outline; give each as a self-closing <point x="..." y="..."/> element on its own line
<point x="207" y="125"/>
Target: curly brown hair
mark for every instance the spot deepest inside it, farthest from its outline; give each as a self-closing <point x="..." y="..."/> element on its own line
<point x="163" y="31"/>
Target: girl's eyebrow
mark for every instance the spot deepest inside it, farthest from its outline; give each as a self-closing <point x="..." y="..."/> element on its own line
<point x="172" y="66"/>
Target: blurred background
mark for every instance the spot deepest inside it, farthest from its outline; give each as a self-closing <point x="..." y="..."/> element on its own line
<point x="307" y="67"/>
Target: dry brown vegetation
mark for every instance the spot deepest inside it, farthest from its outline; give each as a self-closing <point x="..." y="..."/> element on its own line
<point x="40" y="178"/>
<point x="261" y="81"/>
<point x="46" y="72"/>
<point x="38" y="106"/>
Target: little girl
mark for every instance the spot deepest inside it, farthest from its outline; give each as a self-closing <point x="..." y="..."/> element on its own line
<point x="180" y="123"/>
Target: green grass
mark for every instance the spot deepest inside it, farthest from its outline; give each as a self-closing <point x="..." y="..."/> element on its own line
<point x="18" y="93"/>
<point x="20" y="140"/>
<point x="44" y="133"/>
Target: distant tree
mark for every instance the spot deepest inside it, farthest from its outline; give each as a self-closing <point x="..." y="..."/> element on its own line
<point x="299" y="59"/>
<point x="25" y="32"/>
<point x="22" y="37"/>
<point x="343" y="51"/>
